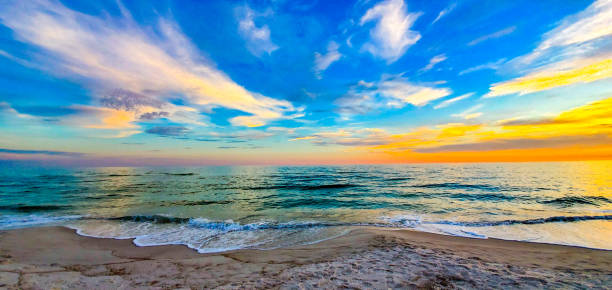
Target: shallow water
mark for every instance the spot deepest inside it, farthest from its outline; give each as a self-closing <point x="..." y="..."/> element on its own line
<point x="220" y="208"/>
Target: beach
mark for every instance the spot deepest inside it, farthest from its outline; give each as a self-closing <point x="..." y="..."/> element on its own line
<point x="57" y="258"/>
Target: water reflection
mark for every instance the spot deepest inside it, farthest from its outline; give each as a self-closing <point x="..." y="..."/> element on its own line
<point x="425" y="197"/>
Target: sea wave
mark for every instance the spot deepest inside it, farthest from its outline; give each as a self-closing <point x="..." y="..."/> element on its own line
<point x="409" y="221"/>
<point x="206" y="235"/>
<point x="568" y="201"/>
<point x="33" y="208"/>
<point x="399" y="221"/>
<point x="22" y="221"/>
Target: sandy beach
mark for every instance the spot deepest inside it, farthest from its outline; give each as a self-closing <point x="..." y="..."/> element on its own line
<point x="57" y="258"/>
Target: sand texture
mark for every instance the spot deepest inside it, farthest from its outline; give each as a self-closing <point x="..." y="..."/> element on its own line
<point x="57" y="258"/>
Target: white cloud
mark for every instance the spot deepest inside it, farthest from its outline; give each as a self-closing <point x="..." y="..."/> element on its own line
<point x="497" y="34"/>
<point x="453" y="100"/>
<point x="258" y="38"/>
<point x="349" y="137"/>
<point x="576" y="36"/>
<point x="391" y="36"/>
<point x="410" y="93"/>
<point x="470" y="113"/>
<point x="564" y="73"/>
<point x="490" y="65"/>
<point x="390" y="92"/>
<point x="576" y="51"/>
<point x="444" y="12"/>
<point x="472" y="116"/>
<point x="323" y="61"/>
<point x="116" y="53"/>
<point x="433" y="61"/>
<point x="594" y="22"/>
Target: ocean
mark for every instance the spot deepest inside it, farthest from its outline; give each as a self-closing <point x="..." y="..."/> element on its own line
<point x="219" y="208"/>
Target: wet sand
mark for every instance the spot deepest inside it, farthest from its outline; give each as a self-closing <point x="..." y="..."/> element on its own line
<point x="55" y="257"/>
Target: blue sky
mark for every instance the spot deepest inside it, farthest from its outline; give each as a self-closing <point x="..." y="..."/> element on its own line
<point x="254" y="81"/>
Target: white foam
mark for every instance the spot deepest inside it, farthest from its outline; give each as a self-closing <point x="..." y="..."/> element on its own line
<point x="208" y="236"/>
<point x="23" y="221"/>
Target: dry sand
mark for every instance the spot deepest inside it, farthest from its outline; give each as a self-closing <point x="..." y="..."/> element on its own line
<point x="55" y="257"/>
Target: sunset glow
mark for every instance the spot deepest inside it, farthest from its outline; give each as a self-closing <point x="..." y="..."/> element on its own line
<point x="393" y="81"/>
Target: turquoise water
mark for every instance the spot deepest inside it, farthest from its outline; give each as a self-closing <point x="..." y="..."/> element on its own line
<point x="220" y="208"/>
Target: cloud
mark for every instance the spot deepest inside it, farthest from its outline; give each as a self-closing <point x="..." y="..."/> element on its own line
<point x="448" y="102"/>
<point x="444" y="12"/>
<point x="390" y="92"/>
<point x="120" y="99"/>
<point x="406" y="92"/>
<point x="45" y="111"/>
<point x="147" y="108"/>
<point x="105" y="119"/>
<point x="588" y="125"/>
<point x="323" y="61"/>
<point x="358" y="137"/>
<point x="258" y="38"/>
<point x="153" y="116"/>
<point x="594" y="118"/>
<point x="433" y="61"/>
<point x="490" y="65"/>
<point x="10" y="111"/>
<point x="41" y="152"/>
<point x="576" y="51"/>
<point x="391" y="36"/>
<point x="455" y="130"/>
<point x="472" y="116"/>
<point x="303" y="138"/>
<point x="167" y="131"/>
<point x="116" y="53"/>
<point x="241" y="136"/>
<point x="101" y="118"/>
<point x="227" y="147"/>
<point x="497" y="34"/>
<point x="562" y="74"/>
<point x="470" y="113"/>
<point x="592" y="23"/>
<point x="521" y="143"/>
<point x="377" y="138"/>
<point x="587" y="130"/>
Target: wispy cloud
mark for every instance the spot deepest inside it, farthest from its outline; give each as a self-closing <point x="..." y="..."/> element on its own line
<point x="448" y="102"/>
<point x="146" y="108"/>
<point x="433" y="61"/>
<point x="117" y="53"/>
<point x="470" y="113"/>
<point x="390" y="92"/>
<point x="257" y="37"/>
<point x="497" y="34"/>
<point x="576" y="51"/>
<point x="592" y="23"/>
<point x="353" y="137"/>
<point x="323" y="61"/>
<point x="585" y="126"/>
<point x="520" y="143"/>
<point x="490" y="65"/>
<point x="41" y="152"/>
<point x="392" y="35"/>
<point x="168" y="130"/>
<point x="562" y="74"/>
<point x="444" y="12"/>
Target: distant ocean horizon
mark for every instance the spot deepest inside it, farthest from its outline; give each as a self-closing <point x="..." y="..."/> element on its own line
<point x="218" y="208"/>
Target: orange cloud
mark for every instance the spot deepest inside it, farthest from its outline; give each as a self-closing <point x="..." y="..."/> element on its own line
<point x="583" y="71"/>
<point x="581" y="133"/>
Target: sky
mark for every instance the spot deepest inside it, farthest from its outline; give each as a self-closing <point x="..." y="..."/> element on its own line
<point x="124" y="83"/>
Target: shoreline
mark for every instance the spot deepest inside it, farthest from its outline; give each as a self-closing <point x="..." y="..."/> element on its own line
<point x="352" y="228"/>
<point x="47" y="257"/>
